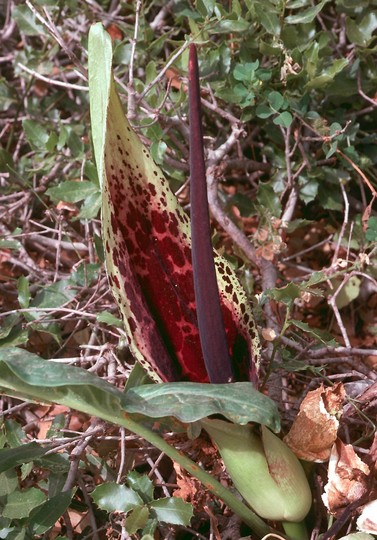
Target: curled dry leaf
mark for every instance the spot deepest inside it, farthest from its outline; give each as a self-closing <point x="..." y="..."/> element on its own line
<point x="367" y="521"/>
<point x="314" y="430"/>
<point x="347" y="478"/>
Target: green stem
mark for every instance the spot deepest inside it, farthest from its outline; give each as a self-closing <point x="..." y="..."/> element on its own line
<point x="240" y="509"/>
<point x="295" y="531"/>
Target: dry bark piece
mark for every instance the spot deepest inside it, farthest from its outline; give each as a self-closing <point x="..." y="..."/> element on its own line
<point x="314" y="430"/>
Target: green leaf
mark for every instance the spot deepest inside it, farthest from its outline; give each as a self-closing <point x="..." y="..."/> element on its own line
<point x="371" y="232"/>
<point x="263" y="111"/>
<point x="348" y="293"/>
<point x="306" y="16"/>
<point x="27" y="375"/>
<point x="361" y="32"/>
<point x="239" y="402"/>
<point x="173" y="510"/>
<point x="286" y="294"/>
<point x="137" y="519"/>
<point x="8" y="482"/>
<point x="321" y="335"/>
<point x="245" y="72"/>
<point x="19" y="504"/>
<point x="71" y="191"/>
<point x="114" y="497"/>
<point x="110" y="319"/>
<point x="141" y="484"/>
<point x="23" y="292"/>
<point x="267" y="198"/>
<point x="48" y="513"/>
<point x="276" y="100"/>
<point x="267" y="18"/>
<point x="26" y="21"/>
<point x="229" y="25"/>
<point x="328" y="75"/>
<point x="12" y="457"/>
<point x="284" y="119"/>
<point x="36" y="134"/>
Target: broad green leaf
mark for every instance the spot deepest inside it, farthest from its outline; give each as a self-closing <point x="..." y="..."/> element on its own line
<point x="50" y="511"/>
<point x="264" y="111"/>
<point x="327" y="76"/>
<point x="141" y="484"/>
<point x="8" y="482"/>
<point x="36" y="134"/>
<point x="306" y="16"/>
<point x="114" y="497"/>
<point x="12" y="457"/>
<point x="137" y="519"/>
<point x="276" y="100"/>
<point x="71" y="191"/>
<point x="284" y="119"/>
<point x="172" y="510"/>
<point x="19" y="504"/>
<point x="360" y="32"/>
<point x="267" y="18"/>
<point x="23" y="373"/>
<point x="239" y="402"/>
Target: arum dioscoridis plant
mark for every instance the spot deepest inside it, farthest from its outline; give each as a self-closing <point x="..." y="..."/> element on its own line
<point x="184" y="310"/>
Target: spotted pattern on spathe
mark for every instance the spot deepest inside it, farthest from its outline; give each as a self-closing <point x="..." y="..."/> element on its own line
<point x="148" y="259"/>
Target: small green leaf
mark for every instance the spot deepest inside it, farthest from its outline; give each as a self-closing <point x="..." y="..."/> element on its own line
<point x="36" y="134"/>
<point x="19" y="504"/>
<point x="23" y="292"/>
<point x="229" y="25"/>
<point x="137" y="519"/>
<point x="173" y="510"/>
<point x="371" y="233"/>
<point x="284" y="119"/>
<point x="114" y="497"/>
<point x="306" y="16"/>
<point x="26" y="21"/>
<point x="276" y="100"/>
<point x="286" y="294"/>
<point x="263" y="111"/>
<point x="141" y="484"/>
<point x="324" y="337"/>
<point x="110" y="319"/>
<point x="348" y="293"/>
<point x="267" y="198"/>
<point x="245" y="72"/>
<point x="71" y="191"/>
